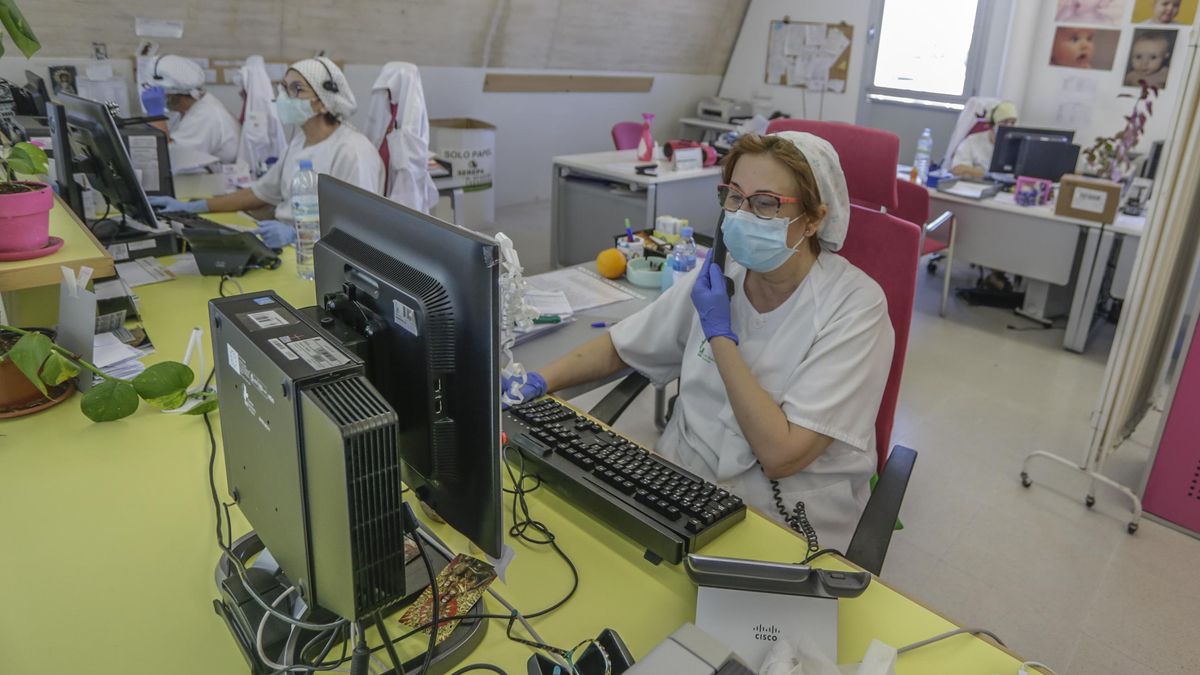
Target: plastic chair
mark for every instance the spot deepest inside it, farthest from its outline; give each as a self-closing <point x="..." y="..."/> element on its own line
<point x="913" y="206"/>
<point x="626" y="135"/>
<point x="869" y="157"/>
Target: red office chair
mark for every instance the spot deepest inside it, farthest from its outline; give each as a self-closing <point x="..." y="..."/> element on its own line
<point x="913" y="206"/>
<point x="626" y="135"/>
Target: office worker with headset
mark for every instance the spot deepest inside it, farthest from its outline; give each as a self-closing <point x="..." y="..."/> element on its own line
<point x="780" y="384"/>
<point x="314" y="98"/>
<point x="195" y="118"/>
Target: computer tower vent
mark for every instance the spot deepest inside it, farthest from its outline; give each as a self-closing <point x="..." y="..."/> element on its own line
<point x="373" y="486"/>
<point x="439" y="310"/>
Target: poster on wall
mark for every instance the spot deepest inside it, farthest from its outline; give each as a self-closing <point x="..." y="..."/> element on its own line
<point x="1149" y="58"/>
<point x="1090" y="11"/>
<point x="1083" y="47"/>
<point x="1165" y="12"/>
<point x="811" y="55"/>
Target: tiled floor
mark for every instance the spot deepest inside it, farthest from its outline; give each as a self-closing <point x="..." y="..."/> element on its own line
<point x="1058" y="582"/>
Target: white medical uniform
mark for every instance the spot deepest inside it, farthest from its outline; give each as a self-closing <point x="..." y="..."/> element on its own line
<point x="975" y="150"/>
<point x="346" y="155"/>
<point x="823" y="356"/>
<point x="208" y="127"/>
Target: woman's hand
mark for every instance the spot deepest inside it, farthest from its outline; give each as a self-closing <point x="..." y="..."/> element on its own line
<point x="170" y="204"/>
<point x="712" y="302"/>
<point x="535" y="386"/>
<point x="275" y="234"/>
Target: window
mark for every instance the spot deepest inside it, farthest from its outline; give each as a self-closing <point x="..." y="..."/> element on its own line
<point x="927" y="51"/>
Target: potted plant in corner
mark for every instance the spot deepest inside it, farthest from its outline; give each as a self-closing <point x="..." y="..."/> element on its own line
<point x="24" y="204"/>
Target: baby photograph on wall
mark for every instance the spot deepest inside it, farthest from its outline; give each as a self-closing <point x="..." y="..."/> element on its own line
<point x="1165" y="12"/>
<point x="1150" y="57"/>
<point x="1083" y="47"/>
<point x="1090" y="11"/>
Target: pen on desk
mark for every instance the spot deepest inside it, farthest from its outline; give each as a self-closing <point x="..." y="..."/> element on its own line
<point x="601" y="324"/>
<point x="548" y="318"/>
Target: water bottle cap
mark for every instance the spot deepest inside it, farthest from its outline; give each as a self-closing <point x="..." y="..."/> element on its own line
<point x="687" y="232"/>
<point x="306" y="165"/>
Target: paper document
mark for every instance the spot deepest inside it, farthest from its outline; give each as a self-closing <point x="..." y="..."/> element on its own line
<point x="108" y="350"/>
<point x="184" y="266"/>
<point x="967" y="189"/>
<point x="524" y="335"/>
<point x="549" y="302"/>
<point x="113" y="288"/>
<point x="584" y="290"/>
<point x="143" y="271"/>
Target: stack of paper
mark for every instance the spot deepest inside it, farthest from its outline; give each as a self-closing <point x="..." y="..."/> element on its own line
<point x="143" y="271"/>
<point x="584" y="290"/>
<point x="549" y="302"/>
<point x="116" y="358"/>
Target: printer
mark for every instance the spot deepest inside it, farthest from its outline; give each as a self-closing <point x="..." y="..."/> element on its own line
<point x="725" y="110"/>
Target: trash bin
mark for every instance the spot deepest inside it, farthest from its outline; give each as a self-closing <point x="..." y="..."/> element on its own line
<point x="469" y="146"/>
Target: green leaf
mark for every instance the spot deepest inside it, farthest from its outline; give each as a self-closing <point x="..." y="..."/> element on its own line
<point x="164" y="385"/>
<point x="29" y="354"/>
<point x="28" y="159"/>
<point x="17" y="27"/>
<point x="57" y="370"/>
<point x="110" y="400"/>
<point x="205" y="407"/>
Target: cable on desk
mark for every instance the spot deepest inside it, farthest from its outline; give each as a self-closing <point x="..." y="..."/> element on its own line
<point x="943" y="636"/>
<point x="480" y="666"/>
<point x="435" y="592"/>
<point x="1035" y="664"/>
<point x="521" y="525"/>
<point x="820" y="552"/>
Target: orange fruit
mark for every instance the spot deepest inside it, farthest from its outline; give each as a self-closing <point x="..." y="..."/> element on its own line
<point x="610" y="263"/>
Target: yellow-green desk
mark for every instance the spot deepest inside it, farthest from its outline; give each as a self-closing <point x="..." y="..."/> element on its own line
<point x="108" y="550"/>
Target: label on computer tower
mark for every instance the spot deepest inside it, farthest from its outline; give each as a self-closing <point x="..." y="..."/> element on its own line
<point x="405" y="316"/>
<point x="282" y="348"/>
<point x="318" y="353"/>
<point x="266" y="319"/>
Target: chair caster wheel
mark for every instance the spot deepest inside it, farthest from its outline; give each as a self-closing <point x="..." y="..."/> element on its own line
<point x="1025" y="482"/>
<point x="1131" y="528"/>
<point x="1090" y="501"/>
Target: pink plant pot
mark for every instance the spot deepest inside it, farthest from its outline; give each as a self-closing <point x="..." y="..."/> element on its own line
<point x="25" y="220"/>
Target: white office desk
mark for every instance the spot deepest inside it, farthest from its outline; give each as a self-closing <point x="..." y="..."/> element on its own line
<point x="701" y="129"/>
<point x="594" y="193"/>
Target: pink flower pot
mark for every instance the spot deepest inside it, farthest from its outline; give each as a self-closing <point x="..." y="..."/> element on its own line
<point x="25" y="221"/>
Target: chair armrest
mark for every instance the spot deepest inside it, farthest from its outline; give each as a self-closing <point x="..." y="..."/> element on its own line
<point x="616" y="401"/>
<point x="938" y="222"/>
<point x="873" y="535"/>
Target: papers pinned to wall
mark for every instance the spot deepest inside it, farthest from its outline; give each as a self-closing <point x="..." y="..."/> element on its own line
<point x="810" y="55"/>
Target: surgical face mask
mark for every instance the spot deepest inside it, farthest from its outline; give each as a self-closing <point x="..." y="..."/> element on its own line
<point x="756" y="243"/>
<point x="294" y="111"/>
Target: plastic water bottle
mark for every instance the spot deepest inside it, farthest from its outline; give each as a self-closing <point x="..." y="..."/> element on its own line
<point x="920" y="166"/>
<point x="307" y="217"/>
<point x="683" y="256"/>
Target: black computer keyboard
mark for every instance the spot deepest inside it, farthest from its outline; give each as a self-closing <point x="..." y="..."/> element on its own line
<point x="660" y="506"/>
<point x="190" y="220"/>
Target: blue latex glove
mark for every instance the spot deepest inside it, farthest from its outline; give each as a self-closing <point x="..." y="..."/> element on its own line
<point x="170" y="204"/>
<point x="712" y="302"/>
<point x="154" y="100"/>
<point x="535" y="386"/>
<point x="275" y="234"/>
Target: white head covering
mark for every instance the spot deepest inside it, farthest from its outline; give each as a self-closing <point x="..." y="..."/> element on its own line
<point x="319" y="72"/>
<point x="177" y="75"/>
<point x="831" y="185"/>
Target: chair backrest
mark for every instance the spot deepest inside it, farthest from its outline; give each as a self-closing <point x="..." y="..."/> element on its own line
<point x="869" y="157"/>
<point x="887" y="249"/>
<point x="912" y="202"/>
<point x="626" y="135"/>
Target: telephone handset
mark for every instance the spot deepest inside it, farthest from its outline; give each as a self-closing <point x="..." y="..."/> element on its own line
<point x="718" y="253"/>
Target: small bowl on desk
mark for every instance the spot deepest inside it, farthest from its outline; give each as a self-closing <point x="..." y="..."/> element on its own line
<point x="646" y="272"/>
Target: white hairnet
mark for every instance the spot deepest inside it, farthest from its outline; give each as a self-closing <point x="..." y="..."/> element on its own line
<point x="319" y="71"/>
<point x="177" y="75"/>
<point x="831" y="185"/>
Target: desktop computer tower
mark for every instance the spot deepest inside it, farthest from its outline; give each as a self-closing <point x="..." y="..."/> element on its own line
<point x="310" y="454"/>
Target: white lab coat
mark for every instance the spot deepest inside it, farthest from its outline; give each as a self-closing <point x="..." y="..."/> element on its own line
<point x="346" y="155"/>
<point x="262" y="132"/>
<point x="208" y="127"/>
<point x="975" y="109"/>
<point x="406" y="133"/>
<point x="823" y="356"/>
<point x="975" y="151"/>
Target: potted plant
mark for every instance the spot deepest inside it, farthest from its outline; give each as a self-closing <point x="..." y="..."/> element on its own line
<point x="24" y="204"/>
<point x="1110" y="156"/>
<point x="45" y="365"/>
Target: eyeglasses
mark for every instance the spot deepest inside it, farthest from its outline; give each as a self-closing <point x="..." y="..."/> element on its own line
<point x="765" y="205"/>
<point x="294" y="90"/>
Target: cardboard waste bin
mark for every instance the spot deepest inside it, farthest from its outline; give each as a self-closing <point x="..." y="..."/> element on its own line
<point x="469" y="146"/>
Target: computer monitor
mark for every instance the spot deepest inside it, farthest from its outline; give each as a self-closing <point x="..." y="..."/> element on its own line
<point x="38" y="94"/>
<point x="68" y="188"/>
<point x="1050" y="160"/>
<point x="420" y="299"/>
<point x="1150" y="164"/>
<point x="1009" y="140"/>
<point x="97" y="151"/>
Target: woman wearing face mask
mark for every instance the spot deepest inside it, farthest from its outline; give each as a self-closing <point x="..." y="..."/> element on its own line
<point x="780" y="384"/>
<point x="315" y="99"/>
<point x="195" y="118"/>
